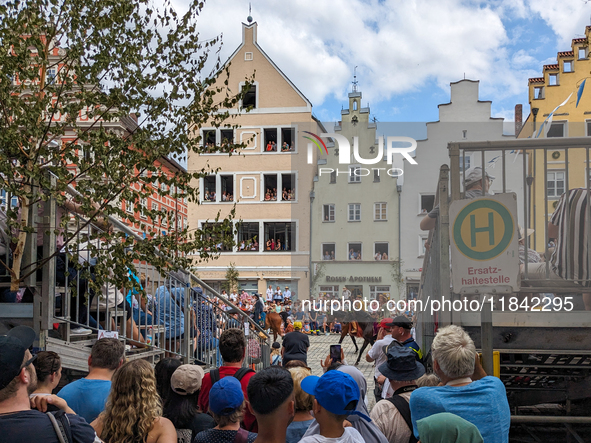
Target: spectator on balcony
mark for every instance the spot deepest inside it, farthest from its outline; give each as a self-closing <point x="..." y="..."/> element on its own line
<point x="88" y="395"/>
<point x="467" y="391"/>
<point x="474" y="183"/>
<point x="130" y="416"/>
<point x="267" y="196"/>
<point x="17" y="380"/>
<point x="269" y="146"/>
<point x="273" y="146"/>
<point x="284" y="147"/>
<point x="384" y="256"/>
<point x="278" y="246"/>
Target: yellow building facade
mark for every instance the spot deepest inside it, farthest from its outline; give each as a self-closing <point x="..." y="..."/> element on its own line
<point x="551" y="172"/>
<point x="269" y="180"/>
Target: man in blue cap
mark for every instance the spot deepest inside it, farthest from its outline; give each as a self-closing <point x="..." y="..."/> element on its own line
<point x="19" y="423"/>
<point x="226" y="405"/>
<point x="392" y="415"/>
<point x="335" y="398"/>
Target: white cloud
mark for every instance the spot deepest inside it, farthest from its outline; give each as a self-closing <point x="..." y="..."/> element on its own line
<point x="567" y="18"/>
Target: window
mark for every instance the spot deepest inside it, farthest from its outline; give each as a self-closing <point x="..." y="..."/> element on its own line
<point x="248" y="234"/>
<point x="354" y="174"/>
<point x="556" y="130"/>
<point x="582" y="53"/>
<point x="422" y="244"/>
<point x="379" y="211"/>
<point x="538" y="92"/>
<point x="376" y="175"/>
<point x="288" y="191"/>
<point x="331" y="291"/>
<point x="143" y="207"/>
<point x="209" y="194"/>
<point x="555" y="184"/>
<point x="270" y="140"/>
<point x="333" y="177"/>
<point x="588" y="124"/>
<point x="250" y="98"/>
<point x="354" y="251"/>
<point x="553" y="79"/>
<point x="354" y="212"/>
<point x="328" y="251"/>
<point x="328" y="213"/>
<point x="376" y="292"/>
<point x="567" y="66"/>
<point x="209" y="140"/>
<point x="129" y="207"/>
<point x="163" y="186"/>
<point x="248" y="56"/>
<point x="280" y="236"/>
<point x="227" y="191"/>
<point x="227" y="136"/>
<point x="50" y="76"/>
<point x="381" y="251"/>
<point x="287" y="140"/>
<point x="217" y="236"/>
<point x="270" y="186"/>
<point x="427" y="202"/>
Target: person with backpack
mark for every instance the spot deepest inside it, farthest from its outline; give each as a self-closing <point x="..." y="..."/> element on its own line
<point x="392" y="415"/>
<point x="18" y="377"/>
<point x="232" y="347"/>
<point x="276" y="359"/>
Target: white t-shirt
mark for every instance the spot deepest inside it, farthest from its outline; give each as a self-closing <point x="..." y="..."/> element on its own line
<point x="377" y="352"/>
<point x="351" y="435"/>
<point x="269" y="294"/>
<point x="233" y="297"/>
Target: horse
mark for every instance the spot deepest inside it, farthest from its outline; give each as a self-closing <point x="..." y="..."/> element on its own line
<point x="365" y="329"/>
<point x="273" y="321"/>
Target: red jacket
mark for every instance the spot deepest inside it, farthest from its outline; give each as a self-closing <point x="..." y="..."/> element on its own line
<point x="249" y="420"/>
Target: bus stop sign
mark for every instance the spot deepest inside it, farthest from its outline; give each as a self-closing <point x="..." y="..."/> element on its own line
<point x="484" y="245"/>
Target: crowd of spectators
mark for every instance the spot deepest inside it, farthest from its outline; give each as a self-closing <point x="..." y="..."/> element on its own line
<point x="127" y="401"/>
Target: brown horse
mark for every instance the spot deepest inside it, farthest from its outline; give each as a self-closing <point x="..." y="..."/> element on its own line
<point x="273" y="322"/>
<point x="364" y="329"/>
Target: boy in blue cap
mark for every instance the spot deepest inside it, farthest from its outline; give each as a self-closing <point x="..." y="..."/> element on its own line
<point x="335" y="398"/>
<point x="226" y="405"/>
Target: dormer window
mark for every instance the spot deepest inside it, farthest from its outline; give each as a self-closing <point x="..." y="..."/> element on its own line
<point x="553" y="79"/>
<point x="567" y="66"/>
<point x="538" y="92"/>
<point x="582" y="53"/>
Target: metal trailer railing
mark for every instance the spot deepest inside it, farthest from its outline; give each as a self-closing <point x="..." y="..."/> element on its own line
<point x="181" y="315"/>
<point x="545" y="356"/>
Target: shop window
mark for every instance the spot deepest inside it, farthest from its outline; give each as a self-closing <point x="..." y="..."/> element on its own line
<point x="381" y="251"/>
<point x="377" y="292"/>
<point x="330" y="291"/>
<point x="288" y="191"/>
<point x="328" y="251"/>
<point x="248" y="235"/>
<point x="279" y="236"/>
<point x="354" y="251"/>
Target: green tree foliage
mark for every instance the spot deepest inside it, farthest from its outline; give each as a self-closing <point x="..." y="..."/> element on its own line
<point x="94" y="94"/>
<point x="231" y="279"/>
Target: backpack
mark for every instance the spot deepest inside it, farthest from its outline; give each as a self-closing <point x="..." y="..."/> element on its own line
<point x="403" y="407"/>
<point x="240" y="373"/>
<point x="61" y="425"/>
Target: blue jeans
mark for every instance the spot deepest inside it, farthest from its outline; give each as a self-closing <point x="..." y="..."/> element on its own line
<point x="141" y="319"/>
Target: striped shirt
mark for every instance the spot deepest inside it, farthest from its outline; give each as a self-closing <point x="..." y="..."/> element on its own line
<point x="571" y="259"/>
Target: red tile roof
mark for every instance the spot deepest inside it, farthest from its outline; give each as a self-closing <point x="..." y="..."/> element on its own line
<point x="536" y="80"/>
<point x="580" y="40"/>
<point x="550" y="67"/>
<point x="566" y="54"/>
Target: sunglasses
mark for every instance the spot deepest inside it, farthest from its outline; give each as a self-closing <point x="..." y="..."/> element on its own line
<point x="28" y="362"/>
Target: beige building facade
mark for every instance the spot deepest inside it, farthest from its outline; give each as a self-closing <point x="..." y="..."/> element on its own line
<point x="355" y="218"/>
<point x="269" y="180"/>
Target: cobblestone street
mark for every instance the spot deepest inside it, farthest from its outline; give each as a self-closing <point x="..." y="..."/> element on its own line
<point x="319" y="349"/>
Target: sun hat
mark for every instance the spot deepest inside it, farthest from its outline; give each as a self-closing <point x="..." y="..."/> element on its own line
<point x="475" y="174"/>
<point x="186" y="379"/>
<point x="401" y="365"/>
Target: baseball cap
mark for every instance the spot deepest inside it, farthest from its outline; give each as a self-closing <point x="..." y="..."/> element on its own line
<point x="225" y="396"/>
<point x="12" y="352"/>
<point x="335" y="391"/>
<point x="475" y="174"/>
<point x="297" y="325"/>
<point x="386" y="323"/>
<point x="276" y="345"/>
<point x="401" y="365"/>
<point x="401" y="321"/>
<point x="186" y="379"/>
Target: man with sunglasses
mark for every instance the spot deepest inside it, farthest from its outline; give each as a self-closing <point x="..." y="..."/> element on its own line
<point x="18" y="379"/>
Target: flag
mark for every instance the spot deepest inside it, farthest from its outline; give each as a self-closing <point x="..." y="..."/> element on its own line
<point x="580" y="92"/>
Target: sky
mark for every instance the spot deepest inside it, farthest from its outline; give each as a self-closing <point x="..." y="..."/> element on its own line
<point x="406" y="51"/>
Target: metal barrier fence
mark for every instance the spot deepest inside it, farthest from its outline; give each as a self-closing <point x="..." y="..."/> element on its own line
<point x="175" y="314"/>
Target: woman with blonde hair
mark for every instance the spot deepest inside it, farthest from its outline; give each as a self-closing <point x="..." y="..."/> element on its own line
<point x="134" y="411"/>
<point x="303" y="405"/>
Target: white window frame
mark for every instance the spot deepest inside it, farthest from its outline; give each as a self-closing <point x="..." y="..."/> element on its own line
<point x="555" y="194"/>
<point x="50" y="76"/>
<point x="564" y="128"/>
<point x="330" y="290"/>
<point x="374" y="291"/>
<point x="422" y="240"/>
<point x="381" y="209"/>
<point x="322" y="250"/>
<point x="331" y="213"/>
<point x="143" y="207"/>
<point x="349" y="248"/>
<point x="356" y="209"/>
<point x="129" y="207"/>
<point x="553" y="79"/>
<point x="382" y="243"/>
<point x="564" y="64"/>
<point x="352" y="177"/>
<point x="426" y="194"/>
<point x="248" y="56"/>
<point x="584" y="53"/>
<point x="540" y="92"/>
